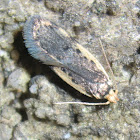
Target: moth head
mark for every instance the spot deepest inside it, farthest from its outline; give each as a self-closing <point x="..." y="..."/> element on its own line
<point x="112" y="96"/>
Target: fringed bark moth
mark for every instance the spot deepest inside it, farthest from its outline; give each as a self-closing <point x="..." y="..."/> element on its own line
<point x="68" y="59"/>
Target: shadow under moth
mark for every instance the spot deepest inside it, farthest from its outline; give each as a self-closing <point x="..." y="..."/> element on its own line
<point x="73" y="63"/>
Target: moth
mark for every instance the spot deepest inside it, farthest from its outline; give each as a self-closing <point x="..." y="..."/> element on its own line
<point x="73" y="63"/>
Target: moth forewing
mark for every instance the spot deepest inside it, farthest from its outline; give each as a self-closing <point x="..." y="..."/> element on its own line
<point x="53" y="46"/>
<point x="68" y="80"/>
<point x="91" y="57"/>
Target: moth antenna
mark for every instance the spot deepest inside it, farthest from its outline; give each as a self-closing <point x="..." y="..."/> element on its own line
<point x="108" y="63"/>
<point x="82" y="103"/>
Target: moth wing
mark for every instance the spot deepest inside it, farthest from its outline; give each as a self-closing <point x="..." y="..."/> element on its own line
<point x="87" y="66"/>
<point x="40" y="53"/>
<point x="82" y="71"/>
<point x="52" y="61"/>
<point x="86" y="70"/>
<point x="68" y="80"/>
<point x="33" y="44"/>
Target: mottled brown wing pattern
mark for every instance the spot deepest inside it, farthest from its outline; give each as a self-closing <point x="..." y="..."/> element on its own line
<point x="71" y="61"/>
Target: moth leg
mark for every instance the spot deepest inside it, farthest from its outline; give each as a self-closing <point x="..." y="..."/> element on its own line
<point x="82" y="103"/>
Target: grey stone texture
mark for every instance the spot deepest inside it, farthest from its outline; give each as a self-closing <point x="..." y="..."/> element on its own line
<point x="29" y="89"/>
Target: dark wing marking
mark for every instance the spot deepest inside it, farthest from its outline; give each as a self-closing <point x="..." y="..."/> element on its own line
<point x="49" y="43"/>
<point x="34" y="45"/>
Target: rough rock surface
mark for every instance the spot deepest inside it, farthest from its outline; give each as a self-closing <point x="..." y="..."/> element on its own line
<point x="29" y="89"/>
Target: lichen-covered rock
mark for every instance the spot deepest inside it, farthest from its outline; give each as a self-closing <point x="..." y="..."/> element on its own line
<point x="18" y="80"/>
<point x="47" y="96"/>
<point x="9" y="118"/>
<point x="38" y="130"/>
<point x="34" y="114"/>
<point x="5" y="132"/>
<point x="6" y="97"/>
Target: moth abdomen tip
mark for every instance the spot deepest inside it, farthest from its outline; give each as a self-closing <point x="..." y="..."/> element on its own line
<point x="112" y="96"/>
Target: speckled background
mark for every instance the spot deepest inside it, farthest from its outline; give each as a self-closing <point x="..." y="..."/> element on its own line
<point x="28" y="88"/>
